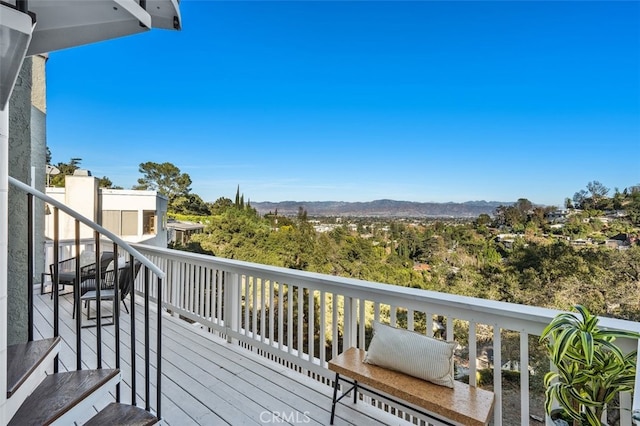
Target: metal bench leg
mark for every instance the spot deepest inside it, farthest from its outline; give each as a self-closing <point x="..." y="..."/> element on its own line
<point x="355" y="391"/>
<point x="335" y="397"/>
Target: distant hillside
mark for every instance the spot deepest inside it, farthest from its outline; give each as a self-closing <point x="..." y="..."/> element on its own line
<point x="381" y="208"/>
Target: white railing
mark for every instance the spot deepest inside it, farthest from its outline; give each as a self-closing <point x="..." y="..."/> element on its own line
<point x="303" y="319"/>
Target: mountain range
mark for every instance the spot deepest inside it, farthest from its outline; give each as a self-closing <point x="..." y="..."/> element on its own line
<point x="380" y="208"/>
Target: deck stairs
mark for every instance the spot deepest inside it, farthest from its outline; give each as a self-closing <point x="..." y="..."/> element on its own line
<point x="36" y="395"/>
<point x="39" y="394"/>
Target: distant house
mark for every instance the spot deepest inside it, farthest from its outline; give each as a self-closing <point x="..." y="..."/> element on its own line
<point x="557" y="216"/>
<point x="621" y="241"/>
<point x="135" y="216"/>
<point x="181" y="232"/>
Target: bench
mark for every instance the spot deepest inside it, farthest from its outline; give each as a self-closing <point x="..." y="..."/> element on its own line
<point x="462" y="405"/>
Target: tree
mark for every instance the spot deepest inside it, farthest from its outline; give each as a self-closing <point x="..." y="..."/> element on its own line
<point x="190" y="204"/>
<point x="164" y="178"/>
<point x="105" y="182"/>
<point x="579" y="198"/>
<point x="568" y="204"/>
<point x="597" y="190"/>
<point x="220" y="205"/>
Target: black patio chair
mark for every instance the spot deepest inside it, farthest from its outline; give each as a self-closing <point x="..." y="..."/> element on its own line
<point x="126" y="276"/>
<point x="67" y="273"/>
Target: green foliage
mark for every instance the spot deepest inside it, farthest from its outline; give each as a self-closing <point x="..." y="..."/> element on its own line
<point x="67" y="169"/>
<point x="592" y="370"/>
<point x="190" y="204"/>
<point x="165" y="178"/>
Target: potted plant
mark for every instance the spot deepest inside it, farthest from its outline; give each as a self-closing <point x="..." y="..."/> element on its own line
<point x="592" y="370"/>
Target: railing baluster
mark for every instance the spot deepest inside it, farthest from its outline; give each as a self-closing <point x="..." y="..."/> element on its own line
<point x="272" y="334"/>
<point x="132" y="316"/>
<point x="207" y="293"/>
<point x="280" y="316"/>
<point x="30" y="256"/>
<point x="263" y="313"/>
<point x="56" y="281"/>
<point x="300" y="333"/>
<point x="147" y="358"/>
<point x="410" y="325"/>
<point x="335" y="339"/>
<point x="159" y="353"/>
<point x="98" y="283"/>
<point x="473" y="353"/>
<point x="116" y="310"/>
<point x="497" y="374"/>
<point x="290" y="324"/>
<point x="393" y="315"/>
<point x="449" y="335"/>
<point x="254" y="308"/>
<point x="361" y="322"/>
<point x="524" y="378"/>
<point x="311" y="319"/>
<point x="323" y="328"/>
<point x="76" y="298"/>
<point x="244" y="287"/>
<point x="200" y="285"/>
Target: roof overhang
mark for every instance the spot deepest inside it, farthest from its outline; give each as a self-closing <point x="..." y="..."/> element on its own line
<point x="62" y="24"/>
<point x="15" y="32"/>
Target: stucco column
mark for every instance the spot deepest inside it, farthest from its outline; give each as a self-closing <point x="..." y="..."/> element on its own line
<point x="19" y="160"/>
<point x="38" y="155"/>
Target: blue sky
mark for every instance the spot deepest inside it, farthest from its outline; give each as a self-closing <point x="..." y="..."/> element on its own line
<point x="358" y="101"/>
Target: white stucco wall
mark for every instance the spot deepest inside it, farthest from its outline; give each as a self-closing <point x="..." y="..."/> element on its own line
<point x="81" y="195"/>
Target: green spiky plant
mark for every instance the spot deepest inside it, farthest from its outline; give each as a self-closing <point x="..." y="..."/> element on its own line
<point x="592" y="370"/>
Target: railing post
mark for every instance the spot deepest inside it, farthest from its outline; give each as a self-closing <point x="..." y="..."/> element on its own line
<point x="350" y="322"/>
<point x="174" y="285"/>
<point x="232" y="303"/>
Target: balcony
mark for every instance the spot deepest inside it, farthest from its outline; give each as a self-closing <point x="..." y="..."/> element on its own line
<point x="249" y="343"/>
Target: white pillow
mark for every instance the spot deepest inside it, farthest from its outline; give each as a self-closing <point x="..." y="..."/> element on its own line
<point x="412" y="353"/>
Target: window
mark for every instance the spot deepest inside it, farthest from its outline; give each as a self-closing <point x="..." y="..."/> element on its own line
<point x="111" y="220"/>
<point x="121" y="222"/>
<point x="129" y="222"/>
<point x="148" y="222"/>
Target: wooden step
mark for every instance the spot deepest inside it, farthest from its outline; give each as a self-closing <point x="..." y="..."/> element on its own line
<point x="59" y="393"/>
<point x="116" y="414"/>
<point x="23" y="359"/>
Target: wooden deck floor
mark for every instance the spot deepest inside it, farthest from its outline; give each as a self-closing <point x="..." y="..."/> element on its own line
<point x="207" y="381"/>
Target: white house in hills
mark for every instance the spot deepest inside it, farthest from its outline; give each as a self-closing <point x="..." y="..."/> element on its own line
<point x="135" y="216"/>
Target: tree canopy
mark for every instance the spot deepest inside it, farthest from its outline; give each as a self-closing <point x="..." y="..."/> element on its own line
<point x="67" y="169"/>
<point x="165" y="178"/>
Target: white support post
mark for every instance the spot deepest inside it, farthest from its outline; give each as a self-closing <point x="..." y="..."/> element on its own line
<point x="232" y="304"/>
<point x="172" y="272"/>
<point x="350" y="322"/>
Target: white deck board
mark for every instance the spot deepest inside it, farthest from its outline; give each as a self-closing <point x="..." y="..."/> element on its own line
<point x="205" y="380"/>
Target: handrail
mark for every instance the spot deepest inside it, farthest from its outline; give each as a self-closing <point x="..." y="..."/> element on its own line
<point x="146" y="262"/>
<point x="255" y="305"/>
